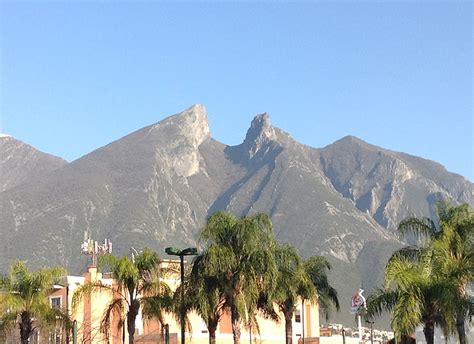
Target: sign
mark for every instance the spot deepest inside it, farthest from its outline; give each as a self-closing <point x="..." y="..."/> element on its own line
<point x="357" y="301"/>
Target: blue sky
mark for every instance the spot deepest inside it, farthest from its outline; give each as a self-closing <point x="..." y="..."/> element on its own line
<point x="78" y="75"/>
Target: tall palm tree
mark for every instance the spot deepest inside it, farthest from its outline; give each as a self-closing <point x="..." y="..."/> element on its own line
<point x="414" y="292"/>
<point x="317" y="268"/>
<point x="300" y="280"/>
<point x="203" y="295"/>
<point x="24" y="299"/>
<point x="138" y="286"/>
<point x="240" y="255"/>
<point x="452" y="244"/>
<point x="292" y="283"/>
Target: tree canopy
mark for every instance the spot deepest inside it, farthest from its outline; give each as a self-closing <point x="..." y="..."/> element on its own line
<point x="427" y="285"/>
<point x="138" y="287"/>
<point x="24" y="300"/>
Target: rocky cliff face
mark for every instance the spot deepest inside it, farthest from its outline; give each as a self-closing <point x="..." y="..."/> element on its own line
<point x="156" y="186"/>
<point x="388" y="185"/>
<point x="184" y="134"/>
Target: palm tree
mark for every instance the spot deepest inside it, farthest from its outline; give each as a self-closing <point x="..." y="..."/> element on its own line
<point x="298" y="279"/>
<point x="317" y="268"/>
<point x="240" y="255"/>
<point x="453" y="255"/>
<point x="138" y="286"/>
<point x="292" y="283"/>
<point x="414" y="292"/>
<point x="24" y="299"/>
<point x="202" y="294"/>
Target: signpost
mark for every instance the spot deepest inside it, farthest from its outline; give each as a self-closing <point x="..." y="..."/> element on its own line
<point x="358" y="305"/>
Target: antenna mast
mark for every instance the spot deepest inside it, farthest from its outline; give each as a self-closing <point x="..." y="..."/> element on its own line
<point x="92" y="248"/>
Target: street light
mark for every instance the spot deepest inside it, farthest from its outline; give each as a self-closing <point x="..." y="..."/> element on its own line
<point x="190" y="251"/>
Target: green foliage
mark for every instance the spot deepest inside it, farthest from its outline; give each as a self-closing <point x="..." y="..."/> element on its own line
<point x="202" y="292"/>
<point x="427" y="285"/>
<point x="317" y="268"/>
<point x="24" y="300"/>
<point x="138" y="286"/>
<point x="244" y="270"/>
<point x="238" y="263"/>
<point x="292" y="283"/>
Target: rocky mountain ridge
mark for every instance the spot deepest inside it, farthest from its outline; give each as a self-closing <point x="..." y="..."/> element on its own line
<point x="156" y="186"/>
<point x="390" y="185"/>
<point x="20" y="162"/>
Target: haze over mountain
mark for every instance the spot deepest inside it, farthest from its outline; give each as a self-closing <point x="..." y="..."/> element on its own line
<point x="156" y="186"/>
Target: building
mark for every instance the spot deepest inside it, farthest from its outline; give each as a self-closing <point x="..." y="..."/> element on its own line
<point x="89" y="310"/>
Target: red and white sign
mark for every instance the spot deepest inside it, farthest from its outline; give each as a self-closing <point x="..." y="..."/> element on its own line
<point x="357" y="301"/>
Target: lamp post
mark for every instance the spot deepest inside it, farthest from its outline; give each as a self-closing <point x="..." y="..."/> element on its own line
<point x="190" y="251"/>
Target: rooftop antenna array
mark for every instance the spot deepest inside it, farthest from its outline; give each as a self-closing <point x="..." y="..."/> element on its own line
<point x="92" y="248"/>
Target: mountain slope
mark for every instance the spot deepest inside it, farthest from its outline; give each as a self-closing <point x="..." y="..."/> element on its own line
<point x="133" y="191"/>
<point x="156" y="186"/>
<point x="20" y="162"/>
<point x="390" y="185"/>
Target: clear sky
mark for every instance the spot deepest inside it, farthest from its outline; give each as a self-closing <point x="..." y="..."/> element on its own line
<point x="78" y="75"/>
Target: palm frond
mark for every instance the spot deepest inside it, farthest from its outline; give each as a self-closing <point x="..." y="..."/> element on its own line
<point x="317" y="268"/>
<point x="8" y="322"/>
<point x="381" y="300"/>
<point x="88" y="289"/>
<point x="412" y="253"/>
<point x="407" y="313"/>
<point x="117" y="308"/>
<point x="420" y="228"/>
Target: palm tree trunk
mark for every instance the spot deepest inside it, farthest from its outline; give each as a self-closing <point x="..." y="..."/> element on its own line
<point x="460" y="327"/>
<point x="212" y="327"/>
<point x="235" y="324"/>
<point x="26" y="327"/>
<point x="131" y="333"/>
<point x="131" y="328"/>
<point x="133" y="310"/>
<point x="428" y="330"/>
<point x="212" y="336"/>
<point x="288" y="328"/>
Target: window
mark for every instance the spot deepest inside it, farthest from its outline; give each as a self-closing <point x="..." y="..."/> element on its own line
<point x="298" y="316"/>
<point x="56" y="302"/>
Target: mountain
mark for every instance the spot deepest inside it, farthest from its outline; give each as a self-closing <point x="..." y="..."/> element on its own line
<point x="388" y="185"/>
<point x="20" y="162"/>
<point x="156" y="186"/>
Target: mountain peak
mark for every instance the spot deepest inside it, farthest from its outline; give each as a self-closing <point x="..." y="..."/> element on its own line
<point x="353" y="142"/>
<point x="192" y="124"/>
<point x="195" y="110"/>
<point x="352" y="139"/>
<point x="187" y="130"/>
<point x="259" y="133"/>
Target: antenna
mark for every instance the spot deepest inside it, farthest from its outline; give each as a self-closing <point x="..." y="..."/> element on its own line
<point x="92" y="248"/>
